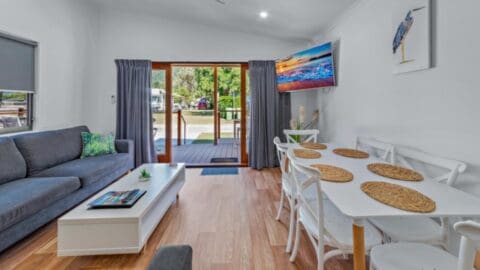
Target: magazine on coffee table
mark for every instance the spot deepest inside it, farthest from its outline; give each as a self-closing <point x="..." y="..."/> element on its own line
<point x="117" y="199"/>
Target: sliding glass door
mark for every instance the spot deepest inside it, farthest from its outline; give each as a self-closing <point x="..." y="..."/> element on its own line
<point x="195" y="105"/>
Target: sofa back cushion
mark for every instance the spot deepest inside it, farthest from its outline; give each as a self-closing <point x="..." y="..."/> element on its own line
<point x="12" y="164"/>
<point x="43" y="150"/>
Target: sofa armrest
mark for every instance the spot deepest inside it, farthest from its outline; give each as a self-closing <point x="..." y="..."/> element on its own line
<point x="172" y="258"/>
<point x="124" y="146"/>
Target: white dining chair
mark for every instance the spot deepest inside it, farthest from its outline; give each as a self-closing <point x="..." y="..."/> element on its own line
<point x="304" y="135"/>
<point x="323" y="222"/>
<point x="421" y="229"/>
<point x="401" y="256"/>
<point x="287" y="190"/>
<point x="382" y="150"/>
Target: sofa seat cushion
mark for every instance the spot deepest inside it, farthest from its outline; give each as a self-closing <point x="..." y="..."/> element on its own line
<point x="43" y="150"/>
<point x="91" y="169"/>
<point x="12" y="164"/>
<point x="22" y="198"/>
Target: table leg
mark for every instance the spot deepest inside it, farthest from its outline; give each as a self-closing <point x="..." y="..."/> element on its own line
<point x="358" y="245"/>
<point x="477" y="260"/>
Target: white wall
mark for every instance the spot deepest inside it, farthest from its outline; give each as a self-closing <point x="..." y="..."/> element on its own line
<point x="135" y="36"/>
<point x="308" y="99"/>
<point x="63" y="29"/>
<point x="436" y="110"/>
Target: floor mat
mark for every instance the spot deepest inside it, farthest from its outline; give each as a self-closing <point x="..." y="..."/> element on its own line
<point x="220" y="171"/>
<point x="224" y="160"/>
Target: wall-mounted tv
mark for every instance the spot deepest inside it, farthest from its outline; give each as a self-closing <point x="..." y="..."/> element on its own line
<point x="309" y="69"/>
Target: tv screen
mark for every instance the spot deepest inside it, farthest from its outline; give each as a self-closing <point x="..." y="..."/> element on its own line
<point x="312" y="68"/>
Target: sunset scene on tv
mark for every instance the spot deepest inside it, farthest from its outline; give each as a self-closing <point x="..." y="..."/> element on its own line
<point x="312" y="68"/>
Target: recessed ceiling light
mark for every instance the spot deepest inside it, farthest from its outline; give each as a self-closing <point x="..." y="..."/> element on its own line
<point x="263" y="14"/>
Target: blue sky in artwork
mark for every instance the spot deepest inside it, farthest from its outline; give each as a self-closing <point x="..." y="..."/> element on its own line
<point x="324" y="48"/>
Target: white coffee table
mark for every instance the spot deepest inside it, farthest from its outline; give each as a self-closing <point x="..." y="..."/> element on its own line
<point x="121" y="231"/>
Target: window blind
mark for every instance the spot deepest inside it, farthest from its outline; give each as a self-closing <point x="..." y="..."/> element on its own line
<point x="17" y="64"/>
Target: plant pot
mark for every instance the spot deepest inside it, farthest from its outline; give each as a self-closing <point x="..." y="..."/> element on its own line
<point x="144" y="179"/>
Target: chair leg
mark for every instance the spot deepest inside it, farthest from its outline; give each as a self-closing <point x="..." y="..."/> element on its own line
<point x="320" y="249"/>
<point x="280" y="206"/>
<point x="320" y="261"/>
<point x="292" y="225"/>
<point x="297" y="241"/>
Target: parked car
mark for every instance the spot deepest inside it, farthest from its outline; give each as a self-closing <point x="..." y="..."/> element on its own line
<point x="202" y="104"/>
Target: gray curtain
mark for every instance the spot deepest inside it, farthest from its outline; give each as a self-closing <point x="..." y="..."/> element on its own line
<point x="269" y="114"/>
<point x="134" y="115"/>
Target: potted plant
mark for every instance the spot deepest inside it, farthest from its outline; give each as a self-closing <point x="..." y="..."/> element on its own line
<point x="300" y="123"/>
<point x="144" y="175"/>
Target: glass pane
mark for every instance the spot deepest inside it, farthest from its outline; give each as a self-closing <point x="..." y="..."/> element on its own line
<point x="14" y="112"/>
<point x="229" y="106"/>
<point x="193" y="103"/>
<point x="158" y="110"/>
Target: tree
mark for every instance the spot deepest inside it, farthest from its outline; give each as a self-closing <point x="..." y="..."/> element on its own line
<point x="193" y="83"/>
<point x="229" y="81"/>
<point x="158" y="79"/>
<point x="204" y="78"/>
<point x="184" y="85"/>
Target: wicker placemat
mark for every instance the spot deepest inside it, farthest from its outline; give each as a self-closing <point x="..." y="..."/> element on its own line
<point x="313" y="146"/>
<point x="305" y="153"/>
<point x="351" y="153"/>
<point x="395" y="172"/>
<point x="333" y="174"/>
<point x="399" y="197"/>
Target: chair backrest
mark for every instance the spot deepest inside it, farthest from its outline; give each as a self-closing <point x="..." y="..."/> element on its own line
<point x="298" y="136"/>
<point x="306" y="177"/>
<point x="408" y="157"/>
<point x="383" y="150"/>
<point x="453" y="167"/>
<point x="281" y="155"/>
<point x="470" y="232"/>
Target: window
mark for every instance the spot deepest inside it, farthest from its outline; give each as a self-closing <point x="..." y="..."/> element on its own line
<point x="15" y="111"/>
<point x="17" y="83"/>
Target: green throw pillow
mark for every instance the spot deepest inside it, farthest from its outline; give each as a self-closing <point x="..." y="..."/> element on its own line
<point x="95" y="145"/>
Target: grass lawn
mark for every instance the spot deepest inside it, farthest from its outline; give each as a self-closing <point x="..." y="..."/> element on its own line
<point x="191" y="119"/>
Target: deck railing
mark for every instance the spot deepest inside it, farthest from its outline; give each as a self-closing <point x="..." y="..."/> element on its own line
<point x="180" y="120"/>
<point x="217" y="131"/>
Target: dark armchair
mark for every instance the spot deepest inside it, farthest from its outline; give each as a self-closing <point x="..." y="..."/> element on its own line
<point x="172" y="258"/>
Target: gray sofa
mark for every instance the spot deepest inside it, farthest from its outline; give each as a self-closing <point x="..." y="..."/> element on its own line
<point x="42" y="176"/>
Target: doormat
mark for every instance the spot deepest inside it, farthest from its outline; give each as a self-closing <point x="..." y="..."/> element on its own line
<point x="224" y="160"/>
<point x="220" y="171"/>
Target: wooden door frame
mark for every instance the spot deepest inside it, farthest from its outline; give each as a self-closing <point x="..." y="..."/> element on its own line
<point x="167" y="66"/>
<point x="243" y="117"/>
<point x="167" y="157"/>
<point x="216" y="120"/>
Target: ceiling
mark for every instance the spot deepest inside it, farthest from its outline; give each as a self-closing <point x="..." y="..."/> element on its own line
<point x="288" y="19"/>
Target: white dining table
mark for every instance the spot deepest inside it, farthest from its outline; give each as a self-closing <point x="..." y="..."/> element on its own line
<point x="354" y="203"/>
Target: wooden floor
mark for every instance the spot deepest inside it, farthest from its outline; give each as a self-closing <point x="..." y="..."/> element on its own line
<point x="202" y="153"/>
<point x="228" y="220"/>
